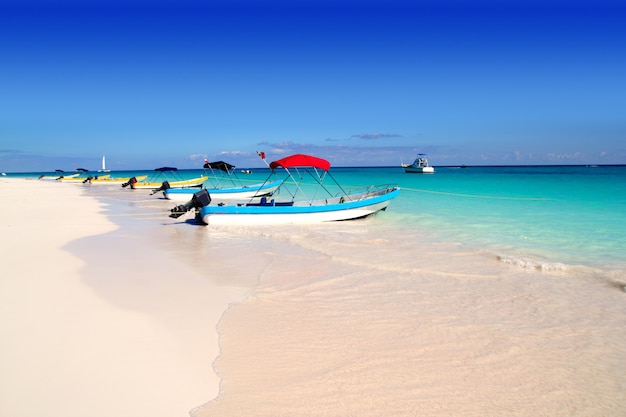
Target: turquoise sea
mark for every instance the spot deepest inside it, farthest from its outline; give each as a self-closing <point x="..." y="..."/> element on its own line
<point x="543" y="217"/>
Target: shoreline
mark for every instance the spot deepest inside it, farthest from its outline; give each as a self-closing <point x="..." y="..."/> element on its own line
<point x="87" y="334"/>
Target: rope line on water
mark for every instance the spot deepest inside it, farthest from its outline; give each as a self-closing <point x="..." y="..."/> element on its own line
<point x="477" y="196"/>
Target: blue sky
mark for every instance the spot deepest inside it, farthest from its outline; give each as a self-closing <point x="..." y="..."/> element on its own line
<point x="154" y="82"/>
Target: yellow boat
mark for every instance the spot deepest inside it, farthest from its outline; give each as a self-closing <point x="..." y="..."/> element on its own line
<point x="80" y="179"/>
<point x="194" y="182"/>
<point x="120" y="180"/>
<point x="102" y="179"/>
<point x="166" y="177"/>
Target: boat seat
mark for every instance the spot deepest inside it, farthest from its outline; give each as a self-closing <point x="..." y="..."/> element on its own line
<point x="265" y="203"/>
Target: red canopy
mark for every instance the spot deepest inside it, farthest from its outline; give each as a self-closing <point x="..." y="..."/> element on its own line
<point x="300" y="160"/>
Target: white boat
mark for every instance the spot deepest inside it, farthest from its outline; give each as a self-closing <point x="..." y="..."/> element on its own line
<point x="223" y="185"/>
<point x="104" y="165"/>
<point x="60" y="174"/>
<point x="419" y="166"/>
<point x="242" y="193"/>
<point x="297" y="207"/>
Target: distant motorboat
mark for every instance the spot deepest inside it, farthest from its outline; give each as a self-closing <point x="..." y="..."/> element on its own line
<point x="419" y="166"/>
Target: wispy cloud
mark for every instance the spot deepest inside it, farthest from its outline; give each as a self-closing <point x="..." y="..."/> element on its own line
<point x="576" y="156"/>
<point x="285" y="147"/>
<point x="234" y="153"/>
<point x="197" y="157"/>
<point x="373" y="136"/>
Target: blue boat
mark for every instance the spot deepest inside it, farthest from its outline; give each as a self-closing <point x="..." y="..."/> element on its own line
<point x="238" y="193"/>
<point x="223" y="185"/>
<point x="300" y="201"/>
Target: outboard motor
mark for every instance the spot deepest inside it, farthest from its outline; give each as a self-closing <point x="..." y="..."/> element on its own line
<point x="199" y="199"/>
<point x="130" y="182"/>
<point x="164" y="186"/>
<point x="88" y="179"/>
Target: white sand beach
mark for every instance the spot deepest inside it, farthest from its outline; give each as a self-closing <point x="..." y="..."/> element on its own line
<point x="342" y="319"/>
<point x="76" y="342"/>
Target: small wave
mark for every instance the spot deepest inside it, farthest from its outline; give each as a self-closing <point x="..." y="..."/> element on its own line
<point x="612" y="278"/>
<point x="534" y="265"/>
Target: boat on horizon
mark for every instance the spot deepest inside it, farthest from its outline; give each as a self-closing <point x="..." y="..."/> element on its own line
<point x="104" y="165"/>
<point x="419" y="166"/>
<point x="302" y="202"/>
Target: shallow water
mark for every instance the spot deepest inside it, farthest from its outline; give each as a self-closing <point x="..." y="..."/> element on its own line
<point x="540" y="215"/>
<point x="356" y="319"/>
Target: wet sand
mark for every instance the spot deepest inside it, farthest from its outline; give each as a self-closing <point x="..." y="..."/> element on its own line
<point x="93" y="323"/>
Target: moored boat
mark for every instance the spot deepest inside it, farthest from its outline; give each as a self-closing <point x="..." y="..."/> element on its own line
<point x="59" y="175"/>
<point x="223" y="185"/>
<point x="241" y="193"/>
<point x="106" y="179"/>
<point x="166" y="175"/>
<point x="419" y="166"/>
<point x="336" y="204"/>
<point x="78" y="178"/>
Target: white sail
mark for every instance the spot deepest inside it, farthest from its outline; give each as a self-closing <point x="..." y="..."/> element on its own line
<point x="104" y="167"/>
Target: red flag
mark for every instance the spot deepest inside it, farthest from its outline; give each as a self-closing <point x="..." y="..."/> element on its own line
<point x="261" y="154"/>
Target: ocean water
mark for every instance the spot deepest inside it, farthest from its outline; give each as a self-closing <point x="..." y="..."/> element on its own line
<point x="536" y="216"/>
<point x="541" y="217"/>
<point x="480" y="291"/>
<point x="544" y="217"/>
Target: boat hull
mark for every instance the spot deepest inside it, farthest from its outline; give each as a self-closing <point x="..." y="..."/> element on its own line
<point x="418" y="170"/>
<point x="81" y="179"/>
<point x="225" y="194"/>
<point x="322" y="211"/>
